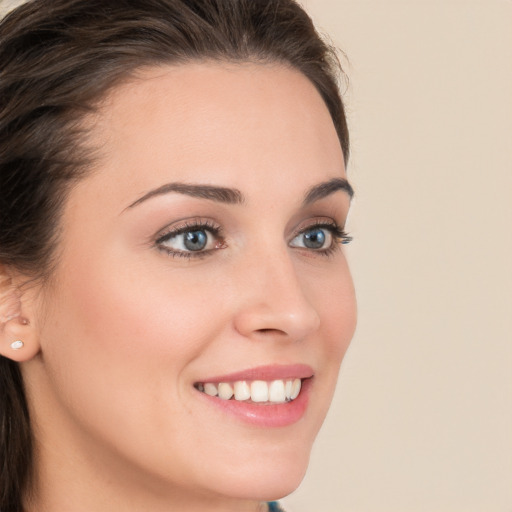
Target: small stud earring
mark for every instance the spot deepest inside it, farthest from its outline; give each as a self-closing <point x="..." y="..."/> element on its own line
<point x="16" y="345"/>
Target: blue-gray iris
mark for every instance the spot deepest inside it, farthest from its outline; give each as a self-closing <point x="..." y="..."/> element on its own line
<point x="314" y="239"/>
<point x="195" y="240"/>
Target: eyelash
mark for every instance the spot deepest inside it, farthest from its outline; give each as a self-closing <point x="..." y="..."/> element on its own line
<point x="199" y="225"/>
<point x="340" y="237"/>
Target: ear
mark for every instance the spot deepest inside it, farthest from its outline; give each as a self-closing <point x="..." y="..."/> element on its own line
<point x="19" y="339"/>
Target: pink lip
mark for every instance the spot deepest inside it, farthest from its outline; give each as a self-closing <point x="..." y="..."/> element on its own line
<point x="265" y="415"/>
<point x="267" y="373"/>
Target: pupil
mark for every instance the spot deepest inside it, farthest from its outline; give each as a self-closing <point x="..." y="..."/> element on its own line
<point x="195" y="240"/>
<point x="314" y="239"/>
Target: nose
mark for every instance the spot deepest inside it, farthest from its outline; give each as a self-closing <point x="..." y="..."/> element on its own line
<point x="274" y="302"/>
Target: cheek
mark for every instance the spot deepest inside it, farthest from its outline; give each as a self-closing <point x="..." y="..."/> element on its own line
<point x="131" y="306"/>
<point x="117" y="351"/>
<point x="335" y="301"/>
<point x="117" y="330"/>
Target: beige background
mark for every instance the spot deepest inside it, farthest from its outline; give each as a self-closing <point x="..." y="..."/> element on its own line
<point x="422" y="418"/>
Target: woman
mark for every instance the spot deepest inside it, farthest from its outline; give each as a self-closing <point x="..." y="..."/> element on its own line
<point x="175" y="303"/>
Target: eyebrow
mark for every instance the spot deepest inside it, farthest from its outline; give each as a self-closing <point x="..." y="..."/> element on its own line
<point x="234" y="196"/>
<point x="213" y="193"/>
<point x="327" y="188"/>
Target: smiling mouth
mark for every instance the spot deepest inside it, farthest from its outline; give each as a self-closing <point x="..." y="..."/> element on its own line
<point x="256" y="391"/>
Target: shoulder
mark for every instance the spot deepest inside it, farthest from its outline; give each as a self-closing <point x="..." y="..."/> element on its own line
<point x="273" y="506"/>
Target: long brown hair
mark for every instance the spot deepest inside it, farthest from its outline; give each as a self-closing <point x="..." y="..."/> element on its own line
<point x="58" y="58"/>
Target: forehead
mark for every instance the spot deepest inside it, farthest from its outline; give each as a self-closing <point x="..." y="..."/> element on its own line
<point x="218" y="123"/>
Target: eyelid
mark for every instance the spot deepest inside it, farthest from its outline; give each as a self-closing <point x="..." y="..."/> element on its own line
<point x="178" y="227"/>
<point x="192" y="224"/>
<point x="340" y="237"/>
<point x="326" y="222"/>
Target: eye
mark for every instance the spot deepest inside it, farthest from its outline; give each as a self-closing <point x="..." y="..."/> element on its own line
<point x="190" y="240"/>
<point x="313" y="238"/>
<point x="322" y="238"/>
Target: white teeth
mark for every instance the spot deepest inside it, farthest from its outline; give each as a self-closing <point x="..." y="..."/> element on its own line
<point x="288" y="389"/>
<point x="242" y="390"/>
<point x="276" y="391"/>
<point x="225" y="391"/>
<point x="210" y="389"/>
<point x="295" y="389"/>
<point x="259" y="391"/>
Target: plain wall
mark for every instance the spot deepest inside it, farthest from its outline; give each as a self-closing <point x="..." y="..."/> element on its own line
<point x="422" y="417"/>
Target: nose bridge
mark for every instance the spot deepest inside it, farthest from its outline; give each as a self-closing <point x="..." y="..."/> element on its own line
<point x="274" y="299"/>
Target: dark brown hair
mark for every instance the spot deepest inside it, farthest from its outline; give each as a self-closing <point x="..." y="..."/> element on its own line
<point x="58" y="58"/>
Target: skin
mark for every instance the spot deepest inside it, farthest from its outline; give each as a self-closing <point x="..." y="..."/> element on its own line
<point x="123" y="330"/>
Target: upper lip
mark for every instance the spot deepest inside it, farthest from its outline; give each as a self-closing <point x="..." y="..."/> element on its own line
<point x="267" y="373"/>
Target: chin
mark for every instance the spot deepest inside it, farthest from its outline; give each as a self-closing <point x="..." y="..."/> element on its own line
<point x="273" y="484"/>
<point x="269" y="475"/>
<point x="281" y="483"/>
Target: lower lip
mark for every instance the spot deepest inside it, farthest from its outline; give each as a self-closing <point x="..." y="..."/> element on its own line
<point x="264" y="415"/>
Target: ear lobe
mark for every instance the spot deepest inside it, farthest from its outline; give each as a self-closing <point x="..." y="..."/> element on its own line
<point x="15" y="325"/>
<point x="18" y="340"/>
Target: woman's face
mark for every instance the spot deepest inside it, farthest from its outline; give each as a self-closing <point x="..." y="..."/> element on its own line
<point x="203" y="249"/>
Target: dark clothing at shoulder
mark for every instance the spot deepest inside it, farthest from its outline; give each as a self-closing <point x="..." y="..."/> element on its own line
<point x="273" y="506"/>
